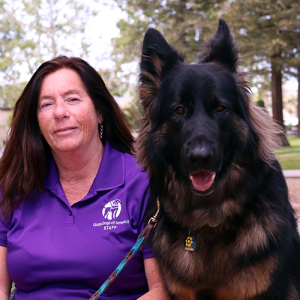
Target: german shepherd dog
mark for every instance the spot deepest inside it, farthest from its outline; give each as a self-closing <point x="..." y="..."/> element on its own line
<point x="226" y="229"/>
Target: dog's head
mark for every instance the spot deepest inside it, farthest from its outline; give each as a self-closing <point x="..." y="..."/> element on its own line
<point x="199" y="121"/>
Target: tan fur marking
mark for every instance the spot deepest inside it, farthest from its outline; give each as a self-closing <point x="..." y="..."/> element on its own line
<point x="249" y="282"/>
<point x="140" y="146"/>
<point x="163" y="243"/>
<point x="293" y="295"/>
<point x="243" y="128"/>
<point x="272" y="224"/>
<point x="234" y="174"/>
<point x="157" y="63"/>
<point x="251" y="239"/>
<point x="267" y="131"/>
<point x="145" y="92"/>
<point x="182" y="292"/>
<point x="186" y="265"/>
<point x="231" y="207"/>
<point x="149" y="89"/>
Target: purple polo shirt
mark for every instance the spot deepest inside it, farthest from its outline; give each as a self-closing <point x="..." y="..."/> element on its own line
<point x="58" y="251"/>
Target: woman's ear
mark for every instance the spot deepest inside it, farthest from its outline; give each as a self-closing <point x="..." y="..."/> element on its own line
<point x="100" y="118"/>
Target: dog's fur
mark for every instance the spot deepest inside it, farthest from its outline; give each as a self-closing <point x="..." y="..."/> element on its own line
<point x="199" y="121"/>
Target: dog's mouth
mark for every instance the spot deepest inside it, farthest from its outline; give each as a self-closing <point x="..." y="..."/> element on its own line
<point x="202" y="180"/>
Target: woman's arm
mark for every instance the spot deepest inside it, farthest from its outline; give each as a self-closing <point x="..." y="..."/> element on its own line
<point x="157" y="290"/>
<point x="5" y="282"/>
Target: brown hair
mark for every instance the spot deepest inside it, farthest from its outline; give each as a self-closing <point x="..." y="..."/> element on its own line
<point x="22" y="166"/>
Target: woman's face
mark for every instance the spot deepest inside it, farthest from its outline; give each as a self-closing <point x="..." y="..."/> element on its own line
<point x="66" y="114"/>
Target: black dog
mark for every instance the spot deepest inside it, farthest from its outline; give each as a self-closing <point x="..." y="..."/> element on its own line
<point x="226" y="229"/>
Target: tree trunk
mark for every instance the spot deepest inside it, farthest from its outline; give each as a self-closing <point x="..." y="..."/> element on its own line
<point x="179" y="19"/>
<point x="277" y="107"/>
<point x="298" y="104"/>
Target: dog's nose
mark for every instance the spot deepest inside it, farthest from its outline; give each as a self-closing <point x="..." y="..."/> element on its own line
<point x="200" y="157"/>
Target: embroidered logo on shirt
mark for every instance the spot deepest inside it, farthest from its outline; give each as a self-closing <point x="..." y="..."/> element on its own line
<point x="112" y="209"/>
<point x="110" y="212"/>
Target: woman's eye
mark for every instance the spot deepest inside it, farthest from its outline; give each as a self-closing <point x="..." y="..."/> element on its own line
<point x="45" y="104"/>
<point x="179" y="110"/>
<point x="221" y="108"/>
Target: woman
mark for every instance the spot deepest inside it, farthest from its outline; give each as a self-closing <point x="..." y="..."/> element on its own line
<point x="72" y="199"/>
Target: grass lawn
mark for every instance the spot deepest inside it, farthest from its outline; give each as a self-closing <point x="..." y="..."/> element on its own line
<point x="289" y="157"/>
<point x="291" y="162"/>
<point x="294" y="146"/>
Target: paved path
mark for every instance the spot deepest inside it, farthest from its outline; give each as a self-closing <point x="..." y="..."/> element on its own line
<point x="291" y="173"/>
<point x="292" y="178"/>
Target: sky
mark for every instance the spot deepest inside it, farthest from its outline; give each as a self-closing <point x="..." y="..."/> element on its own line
<point x="291" y="85"/>
<point x="103" y="28"/>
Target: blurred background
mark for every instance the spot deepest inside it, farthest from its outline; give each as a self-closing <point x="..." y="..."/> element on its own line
<point x="108" y="34"/>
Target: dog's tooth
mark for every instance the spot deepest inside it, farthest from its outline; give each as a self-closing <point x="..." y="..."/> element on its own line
<point x="213" y="177"/>
<point x="191" y="177"/>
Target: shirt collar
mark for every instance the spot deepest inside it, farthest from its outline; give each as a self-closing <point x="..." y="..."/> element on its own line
<point x="111" y="173"/>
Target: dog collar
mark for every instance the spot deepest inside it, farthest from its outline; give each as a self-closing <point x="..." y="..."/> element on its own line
<point x="214" y="223"/>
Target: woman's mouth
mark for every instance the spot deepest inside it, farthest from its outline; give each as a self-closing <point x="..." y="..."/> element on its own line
<point x="62" y="131"/>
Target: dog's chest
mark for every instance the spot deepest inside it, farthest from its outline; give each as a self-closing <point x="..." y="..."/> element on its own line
<point x="212" y="268"/>
<point x="188" y="256"/>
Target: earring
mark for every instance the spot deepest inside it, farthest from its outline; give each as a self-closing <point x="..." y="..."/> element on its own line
<point x="101" y="130"/>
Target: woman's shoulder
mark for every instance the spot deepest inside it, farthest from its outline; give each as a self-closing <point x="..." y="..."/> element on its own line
<point x="132" y="166"/>
<point x="124" y="165"/>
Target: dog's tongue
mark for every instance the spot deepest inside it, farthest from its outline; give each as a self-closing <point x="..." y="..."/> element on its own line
<point x="202" y="180"/>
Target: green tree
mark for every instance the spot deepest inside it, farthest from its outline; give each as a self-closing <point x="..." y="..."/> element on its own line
<point x="116" y="85"/>
<point x="184" y="23"/>
<point x="11" y="40"/>
<point x="292" y="66"/>
<point x="133" y="111"/>
<point x="265" y="31"/>
<point x="298" y="106"/>
<point x="9" y="93"/>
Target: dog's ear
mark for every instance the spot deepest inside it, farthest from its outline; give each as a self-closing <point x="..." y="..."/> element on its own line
<point x="157" y="58"/>
<point x="157" y="55"/>
<point x="221" y="48"/>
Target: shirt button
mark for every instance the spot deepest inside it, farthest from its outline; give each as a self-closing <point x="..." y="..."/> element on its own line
<point x="70" y="213"/>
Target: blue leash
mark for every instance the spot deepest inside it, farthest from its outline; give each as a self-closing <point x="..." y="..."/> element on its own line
<point x="137" y="247"/>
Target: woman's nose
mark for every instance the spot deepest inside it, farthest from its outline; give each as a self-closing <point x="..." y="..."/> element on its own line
<point x="60" y="110"/>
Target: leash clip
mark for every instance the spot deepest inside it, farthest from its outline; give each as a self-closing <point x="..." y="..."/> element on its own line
<point x="153" y="220"/>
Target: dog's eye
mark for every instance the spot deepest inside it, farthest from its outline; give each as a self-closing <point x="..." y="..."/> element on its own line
<point x="220" y="108"/>
<point x="179" y="110"/>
